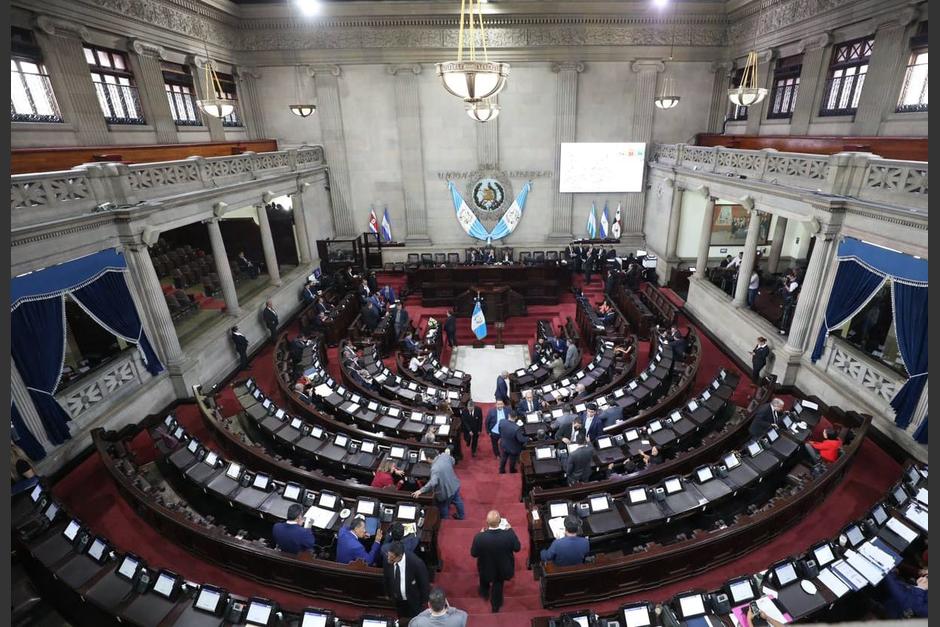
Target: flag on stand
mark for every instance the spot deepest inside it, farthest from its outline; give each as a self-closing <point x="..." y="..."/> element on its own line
<point x="592" y="222"/>
<point x="386" y="227"/>
<point x="373" y="221"/>
<point x="616" y="228"/>
<point x="478" y="321"/>
<point x="605" y="222"/>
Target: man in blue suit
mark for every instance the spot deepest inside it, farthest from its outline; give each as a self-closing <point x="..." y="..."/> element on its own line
<point x="570" y="549"/>
<point x="503" y="389"/>
<point x="348" y="545"/>
<point x="511" y="441"/>
<point x="293" y="536"/>
<point x="593" y="424"/>
<point x="493" y="419"/>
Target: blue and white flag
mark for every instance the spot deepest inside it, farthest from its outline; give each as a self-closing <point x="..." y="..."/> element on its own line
<point x="468" y="220"/>
<point x="386" y="227"/>
<point x="592" y="222"/>
<point x="478" y="322"/>
<point x="507" y="223"/>
<point x="616" y="227"/>
<point x="605" y="222"/>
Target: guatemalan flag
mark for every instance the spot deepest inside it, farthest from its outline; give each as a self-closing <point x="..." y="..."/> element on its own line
<point x="605" y="222"/>
<point x="373" y="222"/>
<point x="592" y="222"/>
<point x="478" y="321"/>
<point x="386" y="227"/>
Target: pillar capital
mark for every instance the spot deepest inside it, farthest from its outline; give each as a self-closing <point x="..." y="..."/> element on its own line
<point x="404" y="69"/>
<point x="747" y="202"/>
<point x="815" y="42"/>
<point x="647" y="65"/>
<point x="326" y="69"/>
<point x="146" y="48"/>
<point x="700" y="190"/>
<point x="62" y="28"/>
<point x="567" y="66"/>
<point x="246" y="72"/>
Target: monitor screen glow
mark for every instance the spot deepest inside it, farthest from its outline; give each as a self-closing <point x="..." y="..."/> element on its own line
<point x="600" y="504"/>
<point x="879" y="515"/>
<point x="637" y="495"/>
<point x="691" y="606"/>
<point x="317" y="432"/>
<point x="72" y="530"/>
<point x="704" y="474"/>
<point x="397" y="452"/>
<point x="258" y="613"/>
<point x="327" y="501"/>
<point x="406" y="512"/>
<point x="164" y="584"/>
<point x="673" y="485"/>
<point x="260" y="481"/>
<point x="558" y="510"/>
<point x="374" y="622"/>
<point x="368" y="447"/>
<point x="193" y="446"/>
<point x="823" y="554"/>
<point x="741" y="591"/>
<point x="731" y="460"/>
<point x="366" y="508"/>
<point x="785" y="573"/>
<point x="341" y="440"/>
<point x="96" y="551"/>
<point x="36" y="493"/>
<point x="636" y="616"/>
<point x="753" y="448"/>
<point x="604" y="442"/>
<point x="51" y="511"/>
<point x="313" y="619"/>
<point x="210" y="459"/>
<point x="233" y="471"/>
<point x="128" y="567"/>
<point x="208" y="600"/>
<point x="854" y="534"/>
<point x="292" y="492"/>
<point x="296" y="423"/>
<point x="543" y="452"/>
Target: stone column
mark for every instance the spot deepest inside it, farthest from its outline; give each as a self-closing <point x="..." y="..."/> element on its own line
<point x="776" y="244"/>
<point x="411" y="151"/>
<point x="197" y="65"/>
<point x="889" y="57"/>
<point x="808" y="301"/>
<point x="267" y="244"/>
<point x="148" y="73"/>
<point x="153" y="303"/>
<point x="566" y="123"/>
<point x="330" y="112"/>
<point x="718" y="106"/>
<point x="63" y="55"/>
<point x="750" y="254"/>
<point x="705" y="236"/>
<point x="249" y="98"/>
<point x="24" y="402"/>
<point x="812" y="80"/>
<point x="672" y="235"/>
<point x="488" y="144"/>
<point x="647" y="71"/>
<point x="222" y="268"/>
<point x="300" y="227"/>
<point x="765" y="75"/>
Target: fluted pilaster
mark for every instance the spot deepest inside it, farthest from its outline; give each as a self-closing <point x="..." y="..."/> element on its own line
<point x="153" y="303"/>
<point x="330" y="111"/>
<point x="647" y="71"/>
<point x="411" y="151"/>
<point x="566" y="118"/>
<point x="148" y="75"/>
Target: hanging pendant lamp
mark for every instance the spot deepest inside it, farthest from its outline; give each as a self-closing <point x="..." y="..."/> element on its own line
<point x="471" y="79"/>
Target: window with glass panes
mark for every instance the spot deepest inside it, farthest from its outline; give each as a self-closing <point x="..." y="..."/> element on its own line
<point x="737" y="112"/>
<point x="914" y="89"/>
<point x="786" y="85"/>
<point x="178" y="82"/>
<point x="114" y="84"/>
<point x="846" y="78"/>
<point x="31" y="96"/>
<point x="227" y="84"/>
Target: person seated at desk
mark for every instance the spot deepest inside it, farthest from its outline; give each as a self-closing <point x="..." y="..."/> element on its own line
<point x="409" y="345"/>
<point x="418" y="360"/>
<point x="396" y="533"/>
<point x="506" y="257"/>
<point x="489" y="256"/>
<point x="293" y="535"/>
<point x="429" y="436"/>
<point x="569" y="550"/>
<point x="902" y="599"/>
<point x="751" y="617"/>
<point x="528" y="404"/>
<point x="627" y="467"/>
<point x="388" y="475"/>
<point x="349" y="546"/>
<point x="580" y="463"/>
<point x="654" y="457"/>
<point x="538" y="349"/>
<point x="677" y="343"/>
<point x="829" y="446"/>
<point x="569" y="432"/>
<point x="308" y="295"/>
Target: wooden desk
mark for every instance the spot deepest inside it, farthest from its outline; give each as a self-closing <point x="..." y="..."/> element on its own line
<point x="538" y="285"/>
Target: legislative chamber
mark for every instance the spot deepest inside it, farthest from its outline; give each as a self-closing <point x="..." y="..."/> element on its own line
<point x="489" y="313"/>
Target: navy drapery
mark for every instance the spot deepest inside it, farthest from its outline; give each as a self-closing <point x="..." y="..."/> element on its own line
<point x="921" y="434"/>
<point x="910" y="323"/>
<point x="109" y="302"/>
<point x="22" y="436"/>
<point x="38" y="348"/>
<point x="853" y="287"/>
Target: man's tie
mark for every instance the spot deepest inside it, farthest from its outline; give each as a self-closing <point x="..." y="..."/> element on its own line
<point x="398" y="580"/>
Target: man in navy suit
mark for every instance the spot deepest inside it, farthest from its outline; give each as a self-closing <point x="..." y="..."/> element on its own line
<point x="570" y="549"/>
<point x="494" y="417"/>
<point x="293" y="536"/>
<point x="503" y="389"/>
<point x="511" y="441"/>
<point x="528" y="404"/>
<point x="593" y="424"/>
<point x="349" y="546"/>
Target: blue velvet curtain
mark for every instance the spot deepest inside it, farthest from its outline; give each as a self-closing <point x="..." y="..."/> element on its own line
<point x="910" y="321"/>
<point x="22" y="436"/>
<point x="38" y="348"/>
<point x="921" y="434"/>
<point x="853" y="287"/>
<point x="109" y="301"/>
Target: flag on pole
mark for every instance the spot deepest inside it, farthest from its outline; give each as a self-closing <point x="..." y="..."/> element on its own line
<point x="373" y="221"/>
<point x="478" y="321"/>
<point x="386" y="227"/>
<point x="592" y="222"/>
<point x="615" y="228"/>
<point x="605" y="222"/>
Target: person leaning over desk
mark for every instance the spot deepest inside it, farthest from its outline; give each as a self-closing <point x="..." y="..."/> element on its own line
<point x="349" y="546"/>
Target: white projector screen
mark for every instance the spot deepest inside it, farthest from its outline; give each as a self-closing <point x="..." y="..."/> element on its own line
<point x="602" y="167"/>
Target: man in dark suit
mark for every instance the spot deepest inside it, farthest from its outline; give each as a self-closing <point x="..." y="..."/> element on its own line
<point x="570" y="431"/>
<point x="493" y="548"/>
<point x="293" y="536"/>
<point x="528" y="403"/>
<point x="759" y="355"/>
<point x="494" y="417"/>
<point x="511" y="441"/>
<point x="580" y="462"/>
<point x="767" y="415"/>
<point x="678" y="343"/>
<point x="269" y="317"/>
<point x="570" y="549"/>
<point x="450" y="329"/>
<point x="308" y="294"/>
<point x="406" y="580"/>
<point x="241" y="347"/>
<point x="593" y="424"/>
<point x="503" y="388"/>
<point x="471" y="421"/>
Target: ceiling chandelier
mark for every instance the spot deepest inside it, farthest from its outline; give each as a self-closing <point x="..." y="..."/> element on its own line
<point x="217" y="107"/>
<point x="748" y="93"/>
<point x="483" y="111"/>
<point x="302" y="110"/>
<point x="470" y="79"/>
<point x="667" y="98"/>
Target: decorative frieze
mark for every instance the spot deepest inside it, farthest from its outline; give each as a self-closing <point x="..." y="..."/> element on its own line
<point x="118" y="376"/>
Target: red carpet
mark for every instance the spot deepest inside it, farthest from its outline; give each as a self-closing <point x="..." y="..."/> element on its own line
<point x="483" y="489"/>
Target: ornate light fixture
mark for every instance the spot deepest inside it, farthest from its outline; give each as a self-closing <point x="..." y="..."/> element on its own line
<point x="217" y="107"/>
<point x="302" y="110"/>
<point x="472" y="80"/>
<point x="667" y="98"/>
<point x="483" y="111"/>
<point x="748" y="93"/>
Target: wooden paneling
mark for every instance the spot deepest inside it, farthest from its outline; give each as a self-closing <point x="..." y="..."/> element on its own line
<point x="27" y="160"/>
<point x="909" y="148"/>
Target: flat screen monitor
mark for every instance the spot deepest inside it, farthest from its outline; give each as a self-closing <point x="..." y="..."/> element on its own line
<point x="786" y="421"/>
<point x="51" y="510"/>
<point x="704" y="474"/>
<point x="267" y="403"/>
<point x="374" y="622"/>
<point x="317" y="433"/>
<point x="296" y="423"/>
<point x="366" y="508"/>
<point x="292" y="492"/>
<point x="637" y="495"/>
<point x="208" y="600"/>
<point x="367" y="446"/>
<point x="97" y="550"/>
<point x="691" y="606"/>
<point x="169" y="420"/>
<point x="785" y="573"/>
<point x="558" y="413"/>
<point x="179" y="433"/>
<point x="706" y="395"/>
<point x="440" y="419"/>
<point x="900" y="496"/>
<point x="673" y="485"/>
<point x="417" y="416"/>
<point x="823" y="554"/>
<point x="406" y="512"/>
<point x="580" y="407"/>
<point x="327" y="500"/>
<point x="341" y="390"/>
<point x="165" y="584"/>
<point x="581" y="620"/>
<point x="558" y="510"/>
<point x="128" y="567"/>
<point x="193" y="446"/>
<point x="741" y="591"/>
<point x="259" y="613"/>
<point x="632" y="435"/>
<point x="314" y="619"/>
<point x="731" y="460"/>
<point x="655" y="426"/>
<point x="638" y="616"/>
<point x="532" y="418"/>
<point x="692" y="405"/>
<point x="72" y="530"/>
<point x="600" y="504"/>
<point x="913" y="475"/>
<point x="604" y="442"/>
<point x="341" y="440"/>
<point x="397" y="452"/>
<point x="543" y="452"/>
<point x="279" y="414"/>
<point x="394" y="412"/>
<point x="261" y="481"/>
<point x="355" y="398"/>
<point x="233" y="471"/>
<point x="772" y="435"/>
<point x="36" y="493"/>
<point x="854" y="534"/>
<point x="373" y="406"/>
<point x="879" y="514"/>
<point x="210" y="459"/>
<point x="753" y="449"/>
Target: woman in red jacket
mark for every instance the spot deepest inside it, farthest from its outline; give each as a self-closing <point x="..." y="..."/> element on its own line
<point x="829" y="447"/>
<point x="388" y="475"/>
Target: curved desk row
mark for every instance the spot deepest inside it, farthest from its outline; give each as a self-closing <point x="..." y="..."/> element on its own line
<point x="663" y="308"/>
<point x="434" y="373"/>
<point x="396" y="388"/>
<point x="337" y="323"/>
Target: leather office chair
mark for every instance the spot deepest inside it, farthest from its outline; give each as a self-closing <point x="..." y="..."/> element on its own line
<point x="427" y="259"/>
<point x="538" y="256"/>
<point x="440" y="259"/>
<point x="551" y="255"/>
<point x="413" y="260"/>
<point x="453" y="259"/>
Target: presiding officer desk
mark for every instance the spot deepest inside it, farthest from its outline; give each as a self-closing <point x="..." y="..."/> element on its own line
<point x="538" y="284"/>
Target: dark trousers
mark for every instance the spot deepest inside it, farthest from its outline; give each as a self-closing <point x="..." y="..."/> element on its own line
<point x="273" y="330"/>
<point x="243" y="356"/>
<point x="512" y="461"/>
<point x="408" y="609"/>
<point x="492" y="590"/>
<point x="451" y="338"/>
<point x="494" y="439"/>
<point x="471" y="439"/>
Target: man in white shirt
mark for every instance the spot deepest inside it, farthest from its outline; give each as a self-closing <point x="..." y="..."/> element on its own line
<point x="752" y="288"/>
<point x="735" y="263"/>
<point x="406" y="580"/>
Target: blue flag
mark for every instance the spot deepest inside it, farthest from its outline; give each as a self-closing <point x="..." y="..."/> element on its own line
<point x="386" y="227"/>
<point x="592" y="222"/>
<point x="478" y="322"/>
<point x="605" y="222"/>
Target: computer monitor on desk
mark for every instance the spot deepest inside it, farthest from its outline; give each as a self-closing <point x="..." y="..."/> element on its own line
<point x="741" y="590"/>
<point x="639" y="615"/>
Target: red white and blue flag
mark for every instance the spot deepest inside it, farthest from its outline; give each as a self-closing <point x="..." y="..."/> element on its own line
<point x="373" y="222"/>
